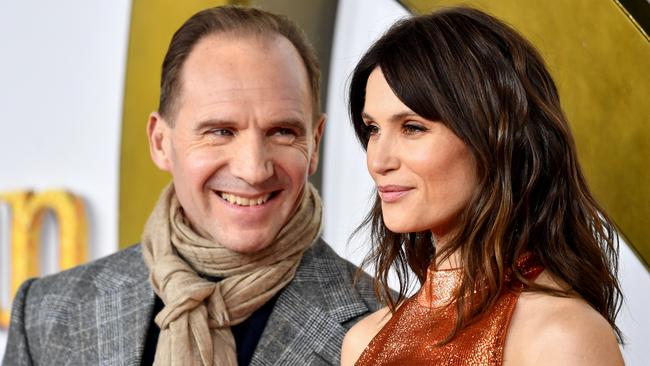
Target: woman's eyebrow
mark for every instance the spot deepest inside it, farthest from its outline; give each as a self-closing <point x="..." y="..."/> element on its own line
<point x="397" y="117"/>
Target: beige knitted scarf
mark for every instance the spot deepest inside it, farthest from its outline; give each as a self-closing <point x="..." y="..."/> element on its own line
<point x="195" y="322"/>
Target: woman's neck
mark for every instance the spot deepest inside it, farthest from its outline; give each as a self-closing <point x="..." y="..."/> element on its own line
<point x="451" y="262"/>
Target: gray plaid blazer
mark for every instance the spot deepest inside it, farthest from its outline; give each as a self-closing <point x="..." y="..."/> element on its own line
<point x="99" y="313"/>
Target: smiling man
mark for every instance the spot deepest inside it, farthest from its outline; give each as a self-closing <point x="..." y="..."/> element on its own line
<point x="231" y="269"/>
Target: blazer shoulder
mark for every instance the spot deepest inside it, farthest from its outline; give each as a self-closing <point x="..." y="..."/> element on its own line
<point x="104" y="275"/>
<point x="48" y="313"/>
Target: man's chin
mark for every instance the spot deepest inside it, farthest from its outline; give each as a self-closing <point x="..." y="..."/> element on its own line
<point x="247" y="246"/>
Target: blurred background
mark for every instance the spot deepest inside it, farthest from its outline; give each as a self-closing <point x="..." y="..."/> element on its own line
<point x="79" y="78"/>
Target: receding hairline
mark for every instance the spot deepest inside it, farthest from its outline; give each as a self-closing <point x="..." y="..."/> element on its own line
<point x="245" y="35"/>
<point x="234" y="21"/>
<point x="254" y="36"/>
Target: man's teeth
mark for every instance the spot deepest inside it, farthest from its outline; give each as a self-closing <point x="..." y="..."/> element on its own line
<point x="243" y="201"/>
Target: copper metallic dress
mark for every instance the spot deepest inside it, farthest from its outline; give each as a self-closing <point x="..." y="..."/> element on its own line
<point x="410" y="336"/>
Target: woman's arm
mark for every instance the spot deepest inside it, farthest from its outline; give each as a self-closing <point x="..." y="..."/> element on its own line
<point x="577" y="336"/>
<point x="552" y="330"/>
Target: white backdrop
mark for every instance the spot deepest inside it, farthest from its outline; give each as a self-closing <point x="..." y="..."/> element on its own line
<point x="347" y="187"/>
<point x="61" y="86"/>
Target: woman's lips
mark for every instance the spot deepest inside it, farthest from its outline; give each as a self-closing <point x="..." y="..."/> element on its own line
<point x="392" y="193"/>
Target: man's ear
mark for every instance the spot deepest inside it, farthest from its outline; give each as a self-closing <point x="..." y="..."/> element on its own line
<point x="158" y="133"/>
<point x="319" y="128"/>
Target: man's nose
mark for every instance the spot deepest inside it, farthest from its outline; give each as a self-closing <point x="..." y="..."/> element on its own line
<point x="252" y="161"/>
<point x="382" y="155"/>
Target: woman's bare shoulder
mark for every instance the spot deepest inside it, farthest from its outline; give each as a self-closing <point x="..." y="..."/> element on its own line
<point x="547" y="329"/>
<point x="360" y="335"/>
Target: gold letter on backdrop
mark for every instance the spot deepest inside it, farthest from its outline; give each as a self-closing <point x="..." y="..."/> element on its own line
<point x="27" y="212"/>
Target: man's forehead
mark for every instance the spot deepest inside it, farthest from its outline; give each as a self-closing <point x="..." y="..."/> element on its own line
<point x="246" y="61"/>
<point x="252" y="93"/>
<point x="230" y="68"/>
<point x="244" y="105"/>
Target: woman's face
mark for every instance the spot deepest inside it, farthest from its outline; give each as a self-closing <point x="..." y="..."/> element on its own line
<point x="425" y="175"/>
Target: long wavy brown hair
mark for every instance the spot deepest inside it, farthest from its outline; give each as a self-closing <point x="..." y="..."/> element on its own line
<point x="490" y="86"/>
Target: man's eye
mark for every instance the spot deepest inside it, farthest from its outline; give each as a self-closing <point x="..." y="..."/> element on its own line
<point x="283" y="135"/>
<point x="284" y="132"/>
<point x="222" y="132"/>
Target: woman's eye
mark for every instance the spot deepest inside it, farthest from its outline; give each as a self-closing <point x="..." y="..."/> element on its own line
<point x="372" y="130"/>
<point x="412" y="128"/>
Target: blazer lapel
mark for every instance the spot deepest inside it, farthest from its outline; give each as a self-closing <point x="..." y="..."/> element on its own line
<point x="306" y="326"/>
<point x="299" y="333"/>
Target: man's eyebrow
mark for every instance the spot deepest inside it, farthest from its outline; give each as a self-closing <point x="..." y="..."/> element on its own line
<point x="294" y="123"/>
<point x="213" y="123"/>
<point x="397" y="117"/>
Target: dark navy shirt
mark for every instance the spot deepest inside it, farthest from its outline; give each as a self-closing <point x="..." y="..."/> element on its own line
<point x="247" y="334"/>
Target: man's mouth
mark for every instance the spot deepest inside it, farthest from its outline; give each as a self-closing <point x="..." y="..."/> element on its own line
<point x="245" y="201"/>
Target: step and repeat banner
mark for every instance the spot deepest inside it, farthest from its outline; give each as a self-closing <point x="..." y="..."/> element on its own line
<point x="78" y="80"/>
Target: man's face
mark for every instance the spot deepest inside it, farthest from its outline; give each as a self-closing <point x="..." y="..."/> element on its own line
<point x="243" y="142"/>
